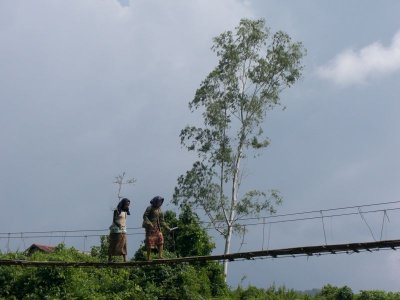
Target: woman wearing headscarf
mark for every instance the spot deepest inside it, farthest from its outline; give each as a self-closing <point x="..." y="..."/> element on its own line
<point x="117" y="238"/>
<point x="153" y="221"/>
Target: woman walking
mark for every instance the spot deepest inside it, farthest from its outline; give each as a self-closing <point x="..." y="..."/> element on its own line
<point x="153" y="220"/>
<point x="117" y="238"/>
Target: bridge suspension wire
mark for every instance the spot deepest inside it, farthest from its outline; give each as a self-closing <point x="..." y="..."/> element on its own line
<point x="67" y="236"/>
<point x="63" y="235"/>
<point x="366" y="223"/>
<point x="243" y="237"/>
<point x="319" y="217"/>
<point x="250" y="255"/>
<point x="323" y="226"/>
<point x="269" y="235"/>
<point x="263" y="234"/>
<point x="385" y="215"/>
<point x="64" y="231"/>
<point x="265" y="220"/>
<point x="318" y="211"/>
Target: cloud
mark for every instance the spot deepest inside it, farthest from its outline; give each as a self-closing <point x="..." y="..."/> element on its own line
<point x="355" y="67"/>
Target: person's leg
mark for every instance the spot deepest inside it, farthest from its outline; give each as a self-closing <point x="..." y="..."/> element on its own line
<point x="111" y="244"/>
<point x="160" y="244"/>
<point x="124" y="251"/>
<point x="148" y="253"/>
<point x="160" y="251"/>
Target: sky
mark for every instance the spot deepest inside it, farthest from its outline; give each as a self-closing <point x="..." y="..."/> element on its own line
<point x="93" y="88"/>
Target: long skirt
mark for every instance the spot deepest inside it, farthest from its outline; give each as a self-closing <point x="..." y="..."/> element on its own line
<point x="117" y="244"/>
<point x="154" y="239"/>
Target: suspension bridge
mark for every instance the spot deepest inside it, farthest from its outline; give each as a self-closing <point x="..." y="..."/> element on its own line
<point x="383" y="208"/>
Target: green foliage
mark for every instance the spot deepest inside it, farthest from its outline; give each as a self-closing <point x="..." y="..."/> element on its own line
<point x="272" y="293"/>
<point x="183" y="281"/>
<point x="101" y="251"/>
<point x="65" y="283"/>
<point x="190" y="239"/>
<point x="378" y="295"/>
<point x="254" y="67"/>
<point x="329" y="292"/>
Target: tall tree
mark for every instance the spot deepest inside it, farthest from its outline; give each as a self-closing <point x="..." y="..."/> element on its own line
<point x="254" y="67"/>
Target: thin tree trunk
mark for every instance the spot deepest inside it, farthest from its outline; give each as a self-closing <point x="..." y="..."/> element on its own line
<point x="227" y="249"/>
<point x="235" y="187"/>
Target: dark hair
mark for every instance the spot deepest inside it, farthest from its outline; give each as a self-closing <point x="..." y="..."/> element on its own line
<point x="121" y="204"/>
<point x="157" y="201"/>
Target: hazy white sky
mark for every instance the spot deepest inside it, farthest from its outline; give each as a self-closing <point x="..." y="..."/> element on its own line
<point x="91" y="88"/>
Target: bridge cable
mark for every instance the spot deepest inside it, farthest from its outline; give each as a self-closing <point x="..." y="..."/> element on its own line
<point x="263" y="232"/>
<point x="365" y="221"/>
<point x="385" y="215"/>
<point x="323" y="226"/>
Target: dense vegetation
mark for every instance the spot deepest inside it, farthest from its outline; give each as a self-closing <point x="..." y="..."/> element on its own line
<point x="184" y="281"/>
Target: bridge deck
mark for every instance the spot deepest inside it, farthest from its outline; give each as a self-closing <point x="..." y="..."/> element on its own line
<point x="308" y="250"/>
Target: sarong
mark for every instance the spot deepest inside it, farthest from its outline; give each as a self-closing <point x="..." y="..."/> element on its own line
<point x="117" y="244"/>
<point x="154" y="238"/>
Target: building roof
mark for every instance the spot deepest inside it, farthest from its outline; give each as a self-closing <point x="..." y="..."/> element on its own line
<point x="41" y="247"/>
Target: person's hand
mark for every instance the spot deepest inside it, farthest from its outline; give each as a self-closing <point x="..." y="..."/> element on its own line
<point x="170" y="230"/>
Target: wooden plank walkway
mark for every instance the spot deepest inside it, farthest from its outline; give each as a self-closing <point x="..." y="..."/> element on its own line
<point x="286" y="252"/>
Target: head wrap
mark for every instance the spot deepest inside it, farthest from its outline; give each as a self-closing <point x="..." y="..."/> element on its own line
<point x="121" y="205"/>
<point x="157" y="201"/>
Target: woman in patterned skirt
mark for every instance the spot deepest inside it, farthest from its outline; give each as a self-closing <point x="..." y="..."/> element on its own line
<point x="153" y="221"/>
